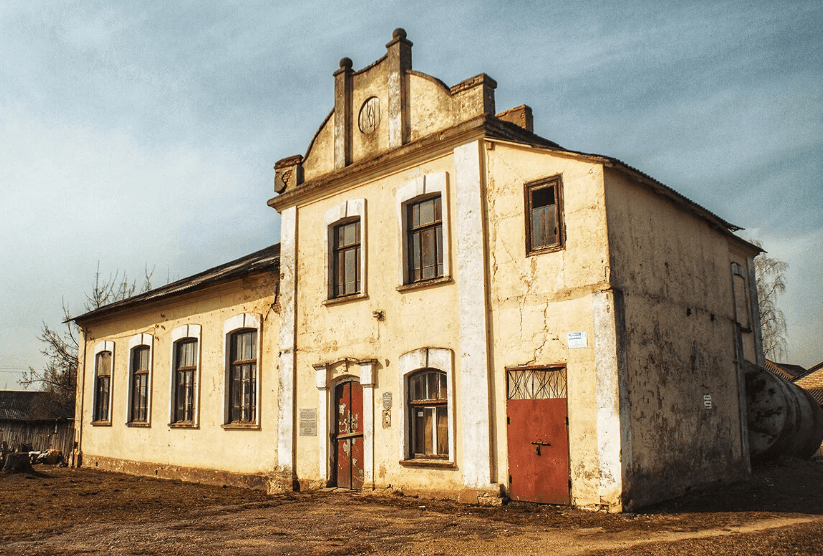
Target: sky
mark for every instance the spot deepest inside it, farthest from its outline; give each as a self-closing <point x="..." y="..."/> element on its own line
<point x="140" y="135"/>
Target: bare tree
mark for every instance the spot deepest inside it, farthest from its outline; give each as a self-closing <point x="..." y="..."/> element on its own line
<point x="771" y="284"/>
<point x="59" y="375"/>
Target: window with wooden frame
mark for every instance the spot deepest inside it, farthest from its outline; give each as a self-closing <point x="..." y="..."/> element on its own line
<point x="243" y="376"/>
<point x="425" y="239"/>
<point x="741" y="298"/>
<point x="346" y="259"/>
<point x="102" y="385"/>
<point x="428" y="414"/>
<point x="140" y="361"/>
<point x="544" y="216"/>
<point x="185" y="369"/>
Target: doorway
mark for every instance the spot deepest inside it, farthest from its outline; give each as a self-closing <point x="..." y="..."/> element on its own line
<point x="538" y="435"/>
<point x="347" y="435"/>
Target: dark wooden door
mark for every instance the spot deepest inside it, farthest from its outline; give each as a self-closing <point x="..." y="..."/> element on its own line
<point x="538" y="438"/>
<point x="348" y="434"/>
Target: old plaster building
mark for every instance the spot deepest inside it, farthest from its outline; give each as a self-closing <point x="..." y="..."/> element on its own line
<point x="456" y="307"/>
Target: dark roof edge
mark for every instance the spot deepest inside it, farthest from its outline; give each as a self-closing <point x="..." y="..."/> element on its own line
<point x="252" y="263"/>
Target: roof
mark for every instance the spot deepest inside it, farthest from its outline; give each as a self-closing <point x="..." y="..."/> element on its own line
<point x="24" y="405"/>
<point x="810" y="380"/>
<point x="785" y="370"/>
<point x="265" y="260"/>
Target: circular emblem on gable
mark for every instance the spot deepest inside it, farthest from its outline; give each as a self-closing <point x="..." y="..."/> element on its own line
<point x="369" y="115"/>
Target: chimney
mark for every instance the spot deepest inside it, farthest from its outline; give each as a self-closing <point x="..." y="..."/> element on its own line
<point x="520" y="115"/>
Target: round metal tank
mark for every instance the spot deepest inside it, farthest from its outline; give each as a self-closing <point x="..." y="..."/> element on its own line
<point x="784" y="420"/>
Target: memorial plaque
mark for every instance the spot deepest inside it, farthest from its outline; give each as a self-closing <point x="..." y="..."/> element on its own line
<point x="308" y="422"/>
<point x="386" y="400"/>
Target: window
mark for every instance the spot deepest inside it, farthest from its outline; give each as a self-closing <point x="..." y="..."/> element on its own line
<point x="345" y="242"/>
<point x="425" y="241"/>
<point x="428" y="408"/>
<point x="139" y="384"/>
<point x="423" y="226"/>
<point x="185" y="369"/>
<point x="102" y="385"/>
<point x="544" y="222"/>
<point x="741" y="299"/>
<point x="242" y="376"/>
<point x="139" y="381"/>
<point x="346" y="265"/>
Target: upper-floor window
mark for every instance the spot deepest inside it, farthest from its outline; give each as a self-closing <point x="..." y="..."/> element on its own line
<point x="345" y="242"/>
<point x="243" y="376"/>
<point x="425" y="239"/>
<point x="544" y="216"/>
<point x="185" y="369"/>
<point x="139" y="384"/>
<point x="423" y="221"/>
<point x="741" y="298"/>
<point x="102" y="385"/>
<point x="346" y="265"/>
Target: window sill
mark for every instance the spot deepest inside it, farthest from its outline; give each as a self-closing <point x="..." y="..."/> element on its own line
<point x="139" y="424"/>
<point x="241" y="427"/>
<point x="345" y="299"/>
<point x="101" y="423"/>
<point x="183" y="426"/>
<point x="438" y="463"/>
<point x="544" y="250"/>
<point x="425" y="284"/>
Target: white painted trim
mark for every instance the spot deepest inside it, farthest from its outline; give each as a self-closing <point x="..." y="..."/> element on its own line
<point x="230" y="325"/>
<point x="105" y="345"/>
<point x="613" y="421"/>
<point x="184" y="332"/>
<point x="469" y="185"/>
<point x="367" y="383"/>
<point x="287" y="342"/>
<point x="136" y="341"/>
<point x="338" y="214"/>
<point x="422" y="186"/>
<point x="440" y="359"/>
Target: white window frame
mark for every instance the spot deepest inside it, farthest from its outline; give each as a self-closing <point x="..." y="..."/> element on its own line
<point x="136" y="341"/>
<point x="418" y="189"/>
<point x="440" y="359"/>
<point x="342" y="213"/>
<point x="231" y="325"/>
<point x="181" y="333"/>
<point x="100" y="347"/>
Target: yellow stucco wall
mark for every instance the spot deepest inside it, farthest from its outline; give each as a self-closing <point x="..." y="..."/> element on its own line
<point x="673" y="270"/>
<point x="208" y="446"/>
<point x="537" y="299"/>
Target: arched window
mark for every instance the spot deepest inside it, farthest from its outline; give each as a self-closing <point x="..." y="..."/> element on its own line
<point x="102" y="385"/>
<point x="428" y="414"/>
<point x="139" y="384"/>
<point x="185" y="369"/>
<point x="243" y="376"/>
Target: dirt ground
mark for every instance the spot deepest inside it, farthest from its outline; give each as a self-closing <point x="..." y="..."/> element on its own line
<point x="73" y="511"/>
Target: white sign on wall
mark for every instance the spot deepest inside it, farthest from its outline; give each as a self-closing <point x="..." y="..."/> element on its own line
<point x="577" y="340"/>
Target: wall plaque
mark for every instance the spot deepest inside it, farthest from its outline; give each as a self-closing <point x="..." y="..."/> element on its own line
<point x="577" y="340"/>
<point x="308" y="422"/>
<point x="386" y="400"/>
<point x="369" y="115"/>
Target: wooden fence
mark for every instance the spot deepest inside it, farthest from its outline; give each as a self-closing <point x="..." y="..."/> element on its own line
<point x="40" y="435"/>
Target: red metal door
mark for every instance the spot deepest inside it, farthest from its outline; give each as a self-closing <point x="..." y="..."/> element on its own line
<point x="348" y="435"/>
<point x="538" y="439"/>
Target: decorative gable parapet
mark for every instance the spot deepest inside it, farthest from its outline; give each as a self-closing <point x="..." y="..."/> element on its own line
<point x="288" y="172"/>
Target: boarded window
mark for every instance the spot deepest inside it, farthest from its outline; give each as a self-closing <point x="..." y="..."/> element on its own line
<point x="428" y="406"/>
<point x="425" y="239"/>
<point x="347" y="259"/>
<point x="543" y="216"/>
<point x="185" y="361"/>
<point x="741" y="298"/>
<point x="536" y="384"/>
<point x="140" y="384"/>
<point x="243" y="377"/>
<point x="102" y="385"/>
